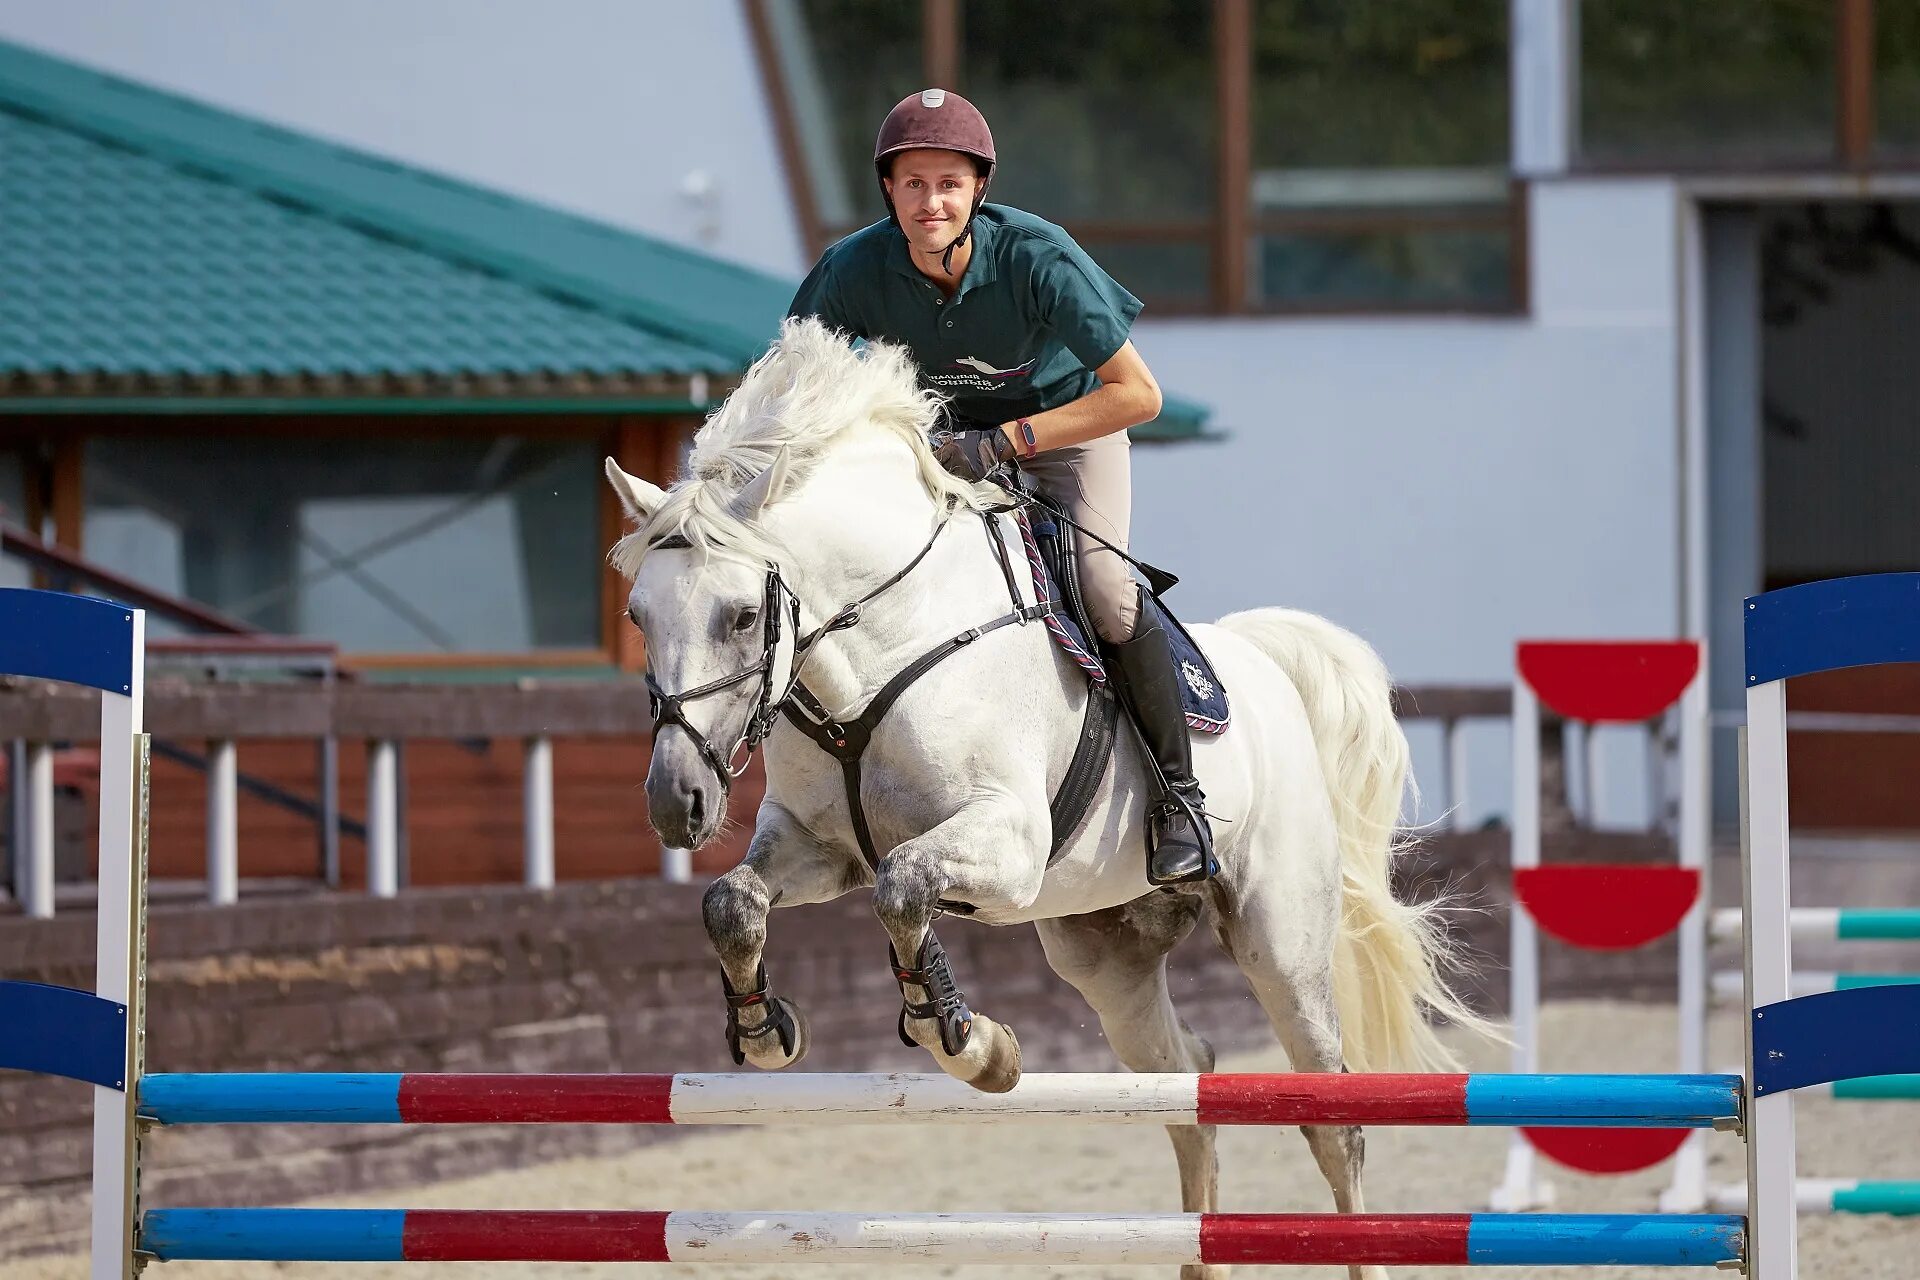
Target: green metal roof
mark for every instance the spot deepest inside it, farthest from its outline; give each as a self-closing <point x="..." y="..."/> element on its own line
<point x="153" y="246"/>
<point x="156" y="243"/>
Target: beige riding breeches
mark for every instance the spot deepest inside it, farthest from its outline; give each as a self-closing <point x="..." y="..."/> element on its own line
<point x="1094" y="482"/>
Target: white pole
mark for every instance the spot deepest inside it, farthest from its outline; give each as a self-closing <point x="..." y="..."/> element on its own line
<point x="223" y="823"/>
<point x="383" y="819"/>
<point x="1688" y="1191"/>
<point x="120" y="973"/>
<point x="1544" y="75"/>
<point x="35" y="877"/>
<point x="537" y="810"/>
<point x="1456" y="754"/>
<point x="1768" y="953"/>
<point x="676" y="865"/>
<point x="1521" y="1189"/>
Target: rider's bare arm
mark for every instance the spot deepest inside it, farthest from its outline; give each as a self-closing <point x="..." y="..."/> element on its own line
<point x="1126" y="397"/>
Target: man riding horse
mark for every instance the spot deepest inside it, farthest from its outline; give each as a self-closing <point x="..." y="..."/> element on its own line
<point x="1028" y="338"/>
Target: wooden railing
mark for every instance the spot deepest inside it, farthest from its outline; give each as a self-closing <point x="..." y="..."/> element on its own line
<point x="386" y="717"/>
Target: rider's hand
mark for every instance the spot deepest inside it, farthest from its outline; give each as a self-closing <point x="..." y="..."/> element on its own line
<point x="975" y="452"/>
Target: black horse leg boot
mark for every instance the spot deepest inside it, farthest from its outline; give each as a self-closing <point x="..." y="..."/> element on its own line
<point x="1179" y="844"/>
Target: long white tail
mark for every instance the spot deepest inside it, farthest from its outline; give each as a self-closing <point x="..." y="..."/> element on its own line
<point x="1389" y="959"/>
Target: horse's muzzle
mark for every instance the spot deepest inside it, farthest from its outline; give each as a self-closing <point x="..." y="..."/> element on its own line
<point x="685" y="801"/>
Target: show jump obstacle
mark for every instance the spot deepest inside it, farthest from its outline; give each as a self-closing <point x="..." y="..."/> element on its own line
<point x="1792" y="1043"/>
<point x="1605" y="906"/>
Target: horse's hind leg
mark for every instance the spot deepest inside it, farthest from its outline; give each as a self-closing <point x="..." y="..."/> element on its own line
<point x="1117" y="960"/>
<point x="1282" y="938"/>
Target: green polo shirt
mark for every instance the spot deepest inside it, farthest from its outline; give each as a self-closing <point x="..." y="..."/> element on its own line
<point x="1033" y="317"/>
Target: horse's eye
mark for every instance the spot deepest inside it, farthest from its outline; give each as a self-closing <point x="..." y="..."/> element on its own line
<point x="746" y="620"/>
<point x="633" y="615"/>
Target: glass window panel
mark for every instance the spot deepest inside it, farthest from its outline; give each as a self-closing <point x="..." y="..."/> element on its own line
<point x="1466" y="267"/>
<point x="845" y="63"/>
<point x="13" y="509"/>
<point x="1896" y="105"/>
<point x="1380" y="131"/>
<point x="1168" y="275"/>
<point x="388" y="546"/>
<point x="1706" y="84"/>
<point x="1370" y="84"/>
<point x="1100" y="112"/>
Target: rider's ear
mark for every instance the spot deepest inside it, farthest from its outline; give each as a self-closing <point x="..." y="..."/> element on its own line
<point x="764" y="489"/>
<point x="639" y="498"/>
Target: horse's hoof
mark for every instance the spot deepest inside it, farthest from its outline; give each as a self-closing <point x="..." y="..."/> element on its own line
<point x="769" y="1053"/>
<point x="1000" y="1062"/>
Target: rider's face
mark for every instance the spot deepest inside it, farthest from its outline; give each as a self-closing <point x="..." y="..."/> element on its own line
<point x="933" y="192"/>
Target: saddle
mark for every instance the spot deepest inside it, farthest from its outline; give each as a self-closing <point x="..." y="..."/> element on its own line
<point x="1056" y="584"/>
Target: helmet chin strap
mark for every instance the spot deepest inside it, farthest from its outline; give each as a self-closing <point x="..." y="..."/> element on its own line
<point x="946" y="259"/>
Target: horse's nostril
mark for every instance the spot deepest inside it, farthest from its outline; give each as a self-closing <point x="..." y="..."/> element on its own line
<point x="697" y="808"/>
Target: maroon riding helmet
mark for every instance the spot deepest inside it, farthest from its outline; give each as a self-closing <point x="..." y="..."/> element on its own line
<point x="943" y="121"/>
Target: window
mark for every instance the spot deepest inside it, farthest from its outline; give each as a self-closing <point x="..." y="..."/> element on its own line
<point x="1103" y="117"/>
<point x="1214" y="155"/>
<point x="13" y="509"/>
<point x="1896" y="98"/>
<point x="841" y="65"/>
<point x="1707" y="84"/>
<point x="382" y="546"/>
<point x="1380" y="154"/>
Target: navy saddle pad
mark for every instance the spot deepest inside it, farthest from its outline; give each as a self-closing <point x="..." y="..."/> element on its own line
<point x="1200" y="688"/>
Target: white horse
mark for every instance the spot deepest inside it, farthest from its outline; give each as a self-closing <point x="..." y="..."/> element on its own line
<point x="812" y="488"/>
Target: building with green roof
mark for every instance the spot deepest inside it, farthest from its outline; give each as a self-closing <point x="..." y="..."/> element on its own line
<point x="331" y="394"/>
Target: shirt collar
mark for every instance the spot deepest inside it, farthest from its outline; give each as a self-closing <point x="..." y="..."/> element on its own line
<point x="981" y="268"/>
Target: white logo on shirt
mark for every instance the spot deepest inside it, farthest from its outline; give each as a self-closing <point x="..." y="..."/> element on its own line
<point x="981" y="366"/>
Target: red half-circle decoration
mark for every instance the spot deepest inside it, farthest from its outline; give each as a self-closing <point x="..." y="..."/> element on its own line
<point x="1607" y="906"/>
<point x="1606" y="1150"/>
<point x="1601" y="681"/>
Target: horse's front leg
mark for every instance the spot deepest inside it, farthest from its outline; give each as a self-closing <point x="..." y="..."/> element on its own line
<point x="985" y="854"/>
<point x="785" y="866"/>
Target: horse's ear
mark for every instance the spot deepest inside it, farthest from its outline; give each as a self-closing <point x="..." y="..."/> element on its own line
<point x="764" y="489"/>
<point x="639" y="498"/>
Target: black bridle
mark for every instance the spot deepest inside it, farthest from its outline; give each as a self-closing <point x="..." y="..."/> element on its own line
<point x="669" y="708"/>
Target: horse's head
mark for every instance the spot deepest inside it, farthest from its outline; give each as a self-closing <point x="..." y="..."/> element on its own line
<point x="799" y="488"/>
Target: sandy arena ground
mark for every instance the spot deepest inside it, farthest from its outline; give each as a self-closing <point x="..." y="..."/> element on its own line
<point x="925" y="1168"/>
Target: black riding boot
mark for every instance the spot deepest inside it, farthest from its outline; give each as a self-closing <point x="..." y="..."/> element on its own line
<point x="1179" y="844"/>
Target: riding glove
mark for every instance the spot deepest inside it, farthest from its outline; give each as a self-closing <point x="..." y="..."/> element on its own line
<point x="974" y="453"/>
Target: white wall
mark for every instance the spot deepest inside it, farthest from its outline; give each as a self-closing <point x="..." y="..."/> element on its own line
<point x="1444" y="486"/>
<point x="602" y="107"/>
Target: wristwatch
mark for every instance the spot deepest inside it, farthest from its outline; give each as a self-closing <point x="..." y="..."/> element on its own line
<point x="1025" y="440"/>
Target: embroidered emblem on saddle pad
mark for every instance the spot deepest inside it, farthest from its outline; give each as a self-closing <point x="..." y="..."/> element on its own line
<point x="1203" y="696"/>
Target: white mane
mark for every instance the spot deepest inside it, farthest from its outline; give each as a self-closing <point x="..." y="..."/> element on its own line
<point x="810" y="389"/>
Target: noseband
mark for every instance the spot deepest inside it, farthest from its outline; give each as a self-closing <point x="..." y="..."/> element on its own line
<point x="669" y="708"/>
